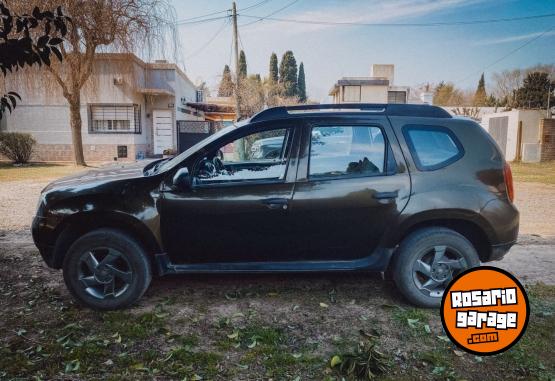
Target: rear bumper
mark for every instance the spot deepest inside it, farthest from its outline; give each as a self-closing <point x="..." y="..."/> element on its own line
<point x="499" y="251"/>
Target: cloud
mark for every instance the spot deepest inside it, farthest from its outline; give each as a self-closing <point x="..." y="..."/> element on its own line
<point x="515" y="38"/>
<point x="376" y="11"/>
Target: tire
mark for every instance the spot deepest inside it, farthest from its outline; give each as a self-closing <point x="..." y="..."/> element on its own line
<point x="106" y="270"/>
<point x="422" y="272"/>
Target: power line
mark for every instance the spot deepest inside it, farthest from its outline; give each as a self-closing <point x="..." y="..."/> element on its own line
<point x="201" y="21"/>
<point x="255" y="5"/>
<point x="186" y="21"/>
<point x="200" y="17"/>
<point x="427" y="24"/>
<point x="268" y="16"/>
<point x="522" y="46"/>
<point x="198" y="51"/>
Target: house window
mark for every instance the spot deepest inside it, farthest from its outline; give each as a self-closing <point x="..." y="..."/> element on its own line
<point x="122" y="152"/>
<point x="396" y="97"/>
<point x="351" y="93"/>
<point x="114" y="119"/>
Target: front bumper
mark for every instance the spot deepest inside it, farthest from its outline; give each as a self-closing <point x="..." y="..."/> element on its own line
<point x="45" y="250"/>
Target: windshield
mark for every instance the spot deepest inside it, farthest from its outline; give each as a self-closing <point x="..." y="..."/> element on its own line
<point x="164" y="166"/>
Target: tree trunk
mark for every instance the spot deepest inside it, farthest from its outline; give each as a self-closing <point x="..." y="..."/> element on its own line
<point x="75" y="122"/>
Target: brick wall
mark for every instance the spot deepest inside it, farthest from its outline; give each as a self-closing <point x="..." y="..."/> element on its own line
<point x="547" y="127"/>
<point x="92" y="152"/>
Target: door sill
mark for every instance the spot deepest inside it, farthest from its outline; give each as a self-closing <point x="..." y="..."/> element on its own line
<point x="377" y="261"/>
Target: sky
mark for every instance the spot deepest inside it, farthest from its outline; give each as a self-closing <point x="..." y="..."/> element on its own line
<point x="429" y="54"/>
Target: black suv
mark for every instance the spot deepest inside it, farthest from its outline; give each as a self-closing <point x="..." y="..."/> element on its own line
<point x="407" y="190"/>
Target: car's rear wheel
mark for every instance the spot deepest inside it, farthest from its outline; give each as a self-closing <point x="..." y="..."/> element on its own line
<point x="106" y="270"/>
<point x="427" y="260"/>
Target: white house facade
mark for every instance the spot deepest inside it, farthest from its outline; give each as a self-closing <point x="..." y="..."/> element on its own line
<point x="129" y="110"/>
<point x="378" y="88"/>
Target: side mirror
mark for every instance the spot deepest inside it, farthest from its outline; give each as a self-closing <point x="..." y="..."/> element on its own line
<point x="182" y="179"/>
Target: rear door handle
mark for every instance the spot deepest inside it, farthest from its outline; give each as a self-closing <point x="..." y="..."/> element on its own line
<point x="275" y="203"/>
<point x="386" y="195"/>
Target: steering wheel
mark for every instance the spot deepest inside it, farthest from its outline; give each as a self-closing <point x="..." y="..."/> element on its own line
<point x="207" y="169"/>
<point x="218" y="164"/>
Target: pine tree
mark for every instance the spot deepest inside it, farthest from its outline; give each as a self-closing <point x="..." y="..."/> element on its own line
<point x="226" y="84"/>
<point x="288" y="74"/>
<point x="301" y="84"/>
<point x="242" y="64"/>
<point x="534" y="91"/>
<point x="273" y="68"/>
<point x="480" y="95"/>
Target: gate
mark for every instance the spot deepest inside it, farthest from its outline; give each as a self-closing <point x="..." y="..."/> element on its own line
<point x="498" y="127"/>
<point x="190" y="132"/>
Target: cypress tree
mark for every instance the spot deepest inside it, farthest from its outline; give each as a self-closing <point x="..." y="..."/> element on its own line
<point x="288" y="74"/>
<point x="480" y="95"/>
<point x="242" y="65"/>
<point x="226" y="84"/>
<point x="273" y="68"/>
<point x="301" y="84"/>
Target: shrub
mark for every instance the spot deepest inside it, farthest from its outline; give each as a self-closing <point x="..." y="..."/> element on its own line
<point x="16" y="146"/>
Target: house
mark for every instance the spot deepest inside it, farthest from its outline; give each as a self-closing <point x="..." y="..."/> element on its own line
<point x="378" y="88"/>
<point x="520" y="133"/>
<point x="129" y="109"/>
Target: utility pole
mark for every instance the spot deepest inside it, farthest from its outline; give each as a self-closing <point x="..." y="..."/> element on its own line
<point x="236" y="48"/>
<point x="548" y="101"/>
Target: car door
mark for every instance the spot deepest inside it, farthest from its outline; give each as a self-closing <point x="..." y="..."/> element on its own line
<point x="238" y="211"/>
<point x="351" y="186"/>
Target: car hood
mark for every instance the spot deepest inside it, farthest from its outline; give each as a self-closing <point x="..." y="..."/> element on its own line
<point x="108" y="173"/>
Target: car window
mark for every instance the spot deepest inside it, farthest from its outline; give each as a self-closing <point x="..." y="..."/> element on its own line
<point x="432" y="147"/>
<point x="257" y="156"/>
<point x="346" y="151"/>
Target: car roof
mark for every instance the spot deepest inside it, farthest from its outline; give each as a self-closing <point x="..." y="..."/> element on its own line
<point x="287" y="112"/>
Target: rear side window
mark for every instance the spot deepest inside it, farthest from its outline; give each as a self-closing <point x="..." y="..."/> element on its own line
<point x="432" y="147"/>
<point x="347" y="151"/>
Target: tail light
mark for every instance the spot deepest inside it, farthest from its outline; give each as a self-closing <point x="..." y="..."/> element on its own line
<point x="509" y="181"/>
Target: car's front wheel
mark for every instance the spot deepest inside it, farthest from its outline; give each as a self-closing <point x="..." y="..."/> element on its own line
<point x="106" y="270"/>
<point x="427" y="260"/>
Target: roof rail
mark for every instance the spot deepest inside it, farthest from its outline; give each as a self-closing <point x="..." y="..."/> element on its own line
<point x="283" y="112"/>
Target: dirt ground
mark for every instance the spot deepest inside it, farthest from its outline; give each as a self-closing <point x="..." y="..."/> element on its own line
<point x="257" y="326"/>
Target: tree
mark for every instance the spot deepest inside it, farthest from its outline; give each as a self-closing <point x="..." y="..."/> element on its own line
<point x="18" y="49"/>
<point x="252" y="96"/>
<point x="288" y="74"/>
<point x="116" y="26"/>
<point x="445" y="94"/>
<point x="480" y="94"/>
<point x="534" y="91"/>
<point x="242" y="64"/>
<point x="226" y="84"/>
<point x="492" y="101"/>
<point x="273" y="68"/>
<point x="506" y="84"/>
<point x="301" y="84"/>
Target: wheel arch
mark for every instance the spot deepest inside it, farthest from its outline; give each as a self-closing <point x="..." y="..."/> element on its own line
<point x="470" y="226"/>
<point x="77" y="225"/>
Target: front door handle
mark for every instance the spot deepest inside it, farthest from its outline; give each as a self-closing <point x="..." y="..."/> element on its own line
<point x="386" y="195"/>
<point x="275" y="203"/>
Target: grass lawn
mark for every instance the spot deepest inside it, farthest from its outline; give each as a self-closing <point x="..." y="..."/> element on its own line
<point x="279" y="331"/>
<point x="534" y="172"/>
<point x="9" y="172"/>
